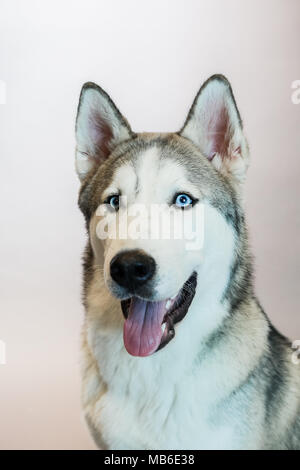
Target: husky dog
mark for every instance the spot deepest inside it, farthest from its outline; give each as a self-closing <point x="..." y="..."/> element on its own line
<point x="177" y="352"/>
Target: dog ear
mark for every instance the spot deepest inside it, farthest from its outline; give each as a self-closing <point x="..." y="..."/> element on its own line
<point x="215" y="126"/>
<point x="100" y="127"/>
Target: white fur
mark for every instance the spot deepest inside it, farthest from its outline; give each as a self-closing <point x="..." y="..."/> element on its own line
<point x="172" y="399"/>
<point x="158" y="181"/>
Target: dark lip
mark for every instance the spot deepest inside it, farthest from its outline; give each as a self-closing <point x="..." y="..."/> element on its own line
<point x="178" y="311"/>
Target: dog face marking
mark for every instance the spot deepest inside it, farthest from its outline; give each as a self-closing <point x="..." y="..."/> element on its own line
<point x="203" y="163"/>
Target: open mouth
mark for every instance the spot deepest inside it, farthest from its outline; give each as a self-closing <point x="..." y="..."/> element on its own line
<point x="149" y="326"/>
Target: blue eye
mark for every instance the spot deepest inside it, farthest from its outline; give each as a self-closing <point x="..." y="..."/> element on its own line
<point x="114" y="202"/>
<point x="183" y="200"/>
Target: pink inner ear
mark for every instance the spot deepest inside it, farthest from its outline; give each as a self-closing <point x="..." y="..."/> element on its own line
<point x="218" y="132"/>
<point x="101" y="135"/>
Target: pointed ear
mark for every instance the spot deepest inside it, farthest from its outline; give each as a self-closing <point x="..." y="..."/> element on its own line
<point x="215" y="126"/>
<point x="100" y="127"/>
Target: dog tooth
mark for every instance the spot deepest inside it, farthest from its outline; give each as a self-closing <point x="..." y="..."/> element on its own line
<point x="168" y="304"/>
<point x="163" y="327"/>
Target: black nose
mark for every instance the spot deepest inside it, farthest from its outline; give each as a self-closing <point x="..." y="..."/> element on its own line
<point x="132" y="269"/>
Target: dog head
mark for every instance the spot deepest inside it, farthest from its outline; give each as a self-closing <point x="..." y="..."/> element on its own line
<point x="163" y="210"/>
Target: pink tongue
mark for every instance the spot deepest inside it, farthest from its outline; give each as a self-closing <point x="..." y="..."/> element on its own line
<point x="142" y="329"/>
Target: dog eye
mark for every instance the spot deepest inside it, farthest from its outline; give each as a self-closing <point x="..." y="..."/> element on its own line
<point x="114" y="201"/>
<point x="183" y="200"/>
